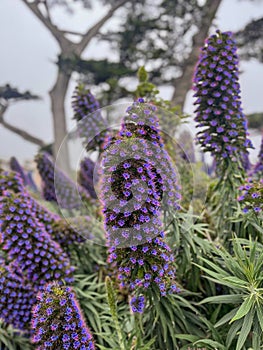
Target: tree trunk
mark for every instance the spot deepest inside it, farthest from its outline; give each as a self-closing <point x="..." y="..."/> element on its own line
<point x="183" y="84"/>
<point x="57" y="95"/>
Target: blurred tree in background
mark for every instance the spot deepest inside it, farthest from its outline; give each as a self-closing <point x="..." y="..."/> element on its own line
<point x="165" y="36"/>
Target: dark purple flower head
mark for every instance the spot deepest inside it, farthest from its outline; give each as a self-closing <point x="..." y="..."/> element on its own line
<point x="138" y="182"/>
<point x="251" y="196"/>
<point x="10" y="180"/>
<point x="58" y="322"/>
<point x="219" y="111"/>
<point x="258" y="169"/>
<point x="86" y="176"/>
<point x="90" y="124"/>
<point x="27" y="243"/>
<point x="15" y="166"/>
<point x="137" y="304"/>
<point x="57" y="186"/>
<point x="16" y="299"/>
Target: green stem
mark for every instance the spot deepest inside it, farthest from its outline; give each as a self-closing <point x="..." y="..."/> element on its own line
<point x="113" y="310"/>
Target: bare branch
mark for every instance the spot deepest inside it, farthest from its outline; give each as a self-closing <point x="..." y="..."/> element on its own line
<point x="57" y="34"/>
<point x="94" y="30"/>
<point x="25" y="135"/>
<point x="182" y="84"/>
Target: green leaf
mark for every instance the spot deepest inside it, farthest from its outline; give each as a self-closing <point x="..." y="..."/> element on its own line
<point x="223" y="299"/>
<point x="226" y="318"/>
<point x="244" y="308"/>
<point x="246" y="328"/>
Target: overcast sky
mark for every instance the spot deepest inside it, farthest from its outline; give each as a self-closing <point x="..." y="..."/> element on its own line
<point x="28" y="53"/>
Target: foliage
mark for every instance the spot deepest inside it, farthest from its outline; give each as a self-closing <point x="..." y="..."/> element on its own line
<point x="128" y="261"/>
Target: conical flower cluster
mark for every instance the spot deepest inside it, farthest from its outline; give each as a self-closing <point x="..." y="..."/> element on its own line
<point x="258" y="169"/>
<point x="57" y="321"/>
<point x="57" y="186"/>
<point x="219" y="112"/>
<point x="86" y="176"/>
<point x="16" y="299"/>
<point x="58" y="228"/>
<point x="27" y="243"/>
<point x="90" y="124"/>
<point x="10" y="180"/>
<point x="138" y="182"/>
<point x="15" y="166"/>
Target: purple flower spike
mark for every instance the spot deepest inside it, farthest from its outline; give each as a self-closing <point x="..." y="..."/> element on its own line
<point x="27" y="243"/>
<point x="15" y="166"/>
<point x="258" y="169"/>
<point x="86" y="176"/>
<point x="57" y="186"/>
<point x="10" y="180"/>
<point x="219" y="110"/>
<point x="138" y="183"/>
<point x="16" y="299"/>
<point x="58" y="322"/>
<point x="91" y="126"/>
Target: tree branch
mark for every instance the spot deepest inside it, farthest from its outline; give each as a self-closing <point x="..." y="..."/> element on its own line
<point x="80" y="47"/>
<point x="183" y="83"/>
<point x="57" y="34"/>
<point x="25" y="135"/>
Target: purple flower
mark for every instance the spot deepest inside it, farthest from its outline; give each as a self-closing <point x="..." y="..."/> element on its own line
<point x="16" y="298"/>
<point x="90" y="124"/>
<point x="137" y="304"/>
<point x="57" y="186"/>
<point x="133" y="217"/>
<point x="27" y="243"/>
<point x="251" y="197"/>
<point x="258" y="169"/>
<point x="10" y="180"/>
<point x="225" y="111"/>
<point x="58" y="322"/>
<point x="15" y="166"/>
<point x="86" y="176"/>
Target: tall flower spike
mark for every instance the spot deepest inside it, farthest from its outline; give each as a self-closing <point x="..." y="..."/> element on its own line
<point x="57" y="186"/>
<point x="59" y="228"/>
<point x="10" y="180"/>
<point x="219" y="112"/>
<point x="258" y="169"/>
<point x="86" y="176"/>
<point x="15" y="166"/>
<point x="90" y="124"/>
<point x="58" y="322"/>
<point x="138" y="181"/>
<point x="27" y="243"/>
<point x="16" y="299"/>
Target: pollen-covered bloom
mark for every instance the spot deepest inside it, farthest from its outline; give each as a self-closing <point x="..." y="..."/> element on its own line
<point x="86" y="176"/>
<point x="58" y="322"/>
<point x="91" y="126"/>
<point x="27" y="243"/>
<point x="251" y="196"/>
<point x="258" y="169"/>
<point x="138" y="182"/>
<point x="57" y="186"/>
<point x="16" y="298"/>
<point x="217" y="91"/>
<point x="15" y="166"/>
